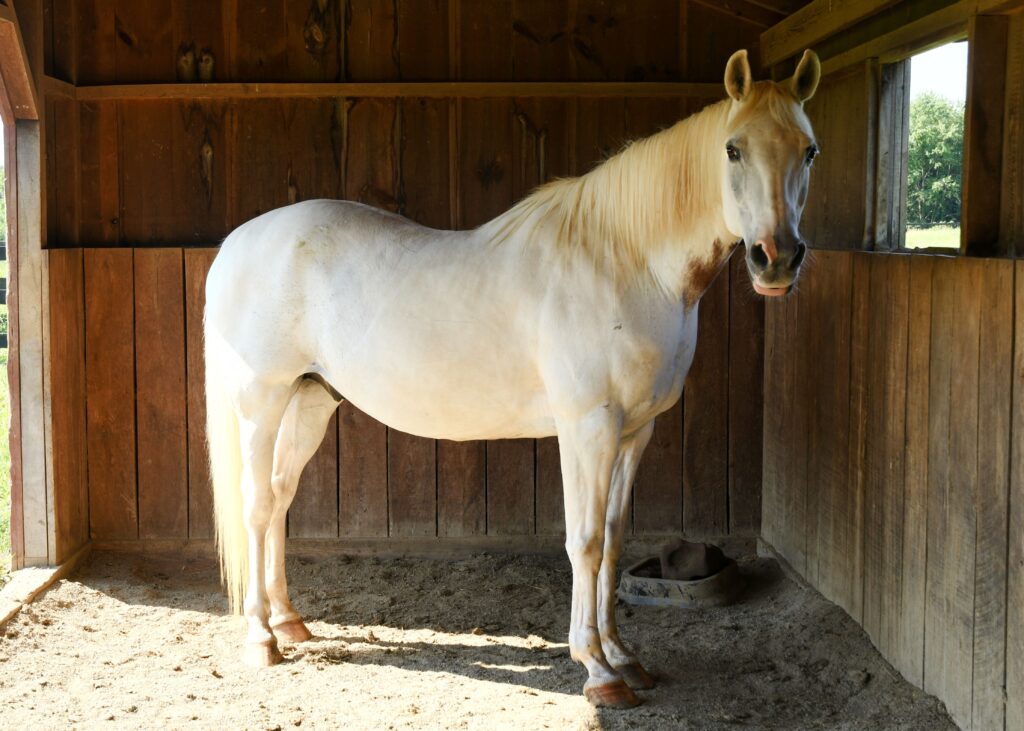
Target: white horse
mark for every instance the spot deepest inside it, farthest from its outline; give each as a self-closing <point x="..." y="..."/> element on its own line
<point x="572" y="314"/>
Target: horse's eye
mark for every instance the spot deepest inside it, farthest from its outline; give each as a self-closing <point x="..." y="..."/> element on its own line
<point x="732" y="152"/>
<point x="812" y="152"/>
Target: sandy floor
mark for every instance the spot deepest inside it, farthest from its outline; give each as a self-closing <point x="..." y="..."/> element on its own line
<point x="409" y="643"/>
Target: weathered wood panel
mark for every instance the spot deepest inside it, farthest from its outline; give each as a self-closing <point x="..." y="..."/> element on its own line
<point x="200" y="491"/>
<point x="67" y="379"/>
<point x="110" y="394"/>
<point x="1015" y="558"/>
<point x="314" y="510"/>
<point x="836" y="215"/>
<point x="910" y="658"/>
<point x="746" y="399"/>
<point x="995" y="402"/>
<point x="161" y="397"/>
<point x="706" y="418"/>
<point x="930" y="486"/>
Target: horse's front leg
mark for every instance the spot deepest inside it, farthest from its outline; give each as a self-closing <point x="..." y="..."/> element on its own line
<point x="588" y="448"/>
<point x="620" y="658"/>
<point x="302" y="429"/>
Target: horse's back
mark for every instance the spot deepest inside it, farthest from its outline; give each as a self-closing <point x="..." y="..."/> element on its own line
<point x="416" y="326"/>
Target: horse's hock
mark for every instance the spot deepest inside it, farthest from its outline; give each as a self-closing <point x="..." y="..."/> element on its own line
<point x="860" y="429"/>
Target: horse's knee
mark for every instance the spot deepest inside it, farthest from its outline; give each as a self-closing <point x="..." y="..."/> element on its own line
<point x="585" y="550"/>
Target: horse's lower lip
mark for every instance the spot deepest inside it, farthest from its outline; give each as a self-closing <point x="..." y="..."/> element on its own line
<point x="771" y="291"/>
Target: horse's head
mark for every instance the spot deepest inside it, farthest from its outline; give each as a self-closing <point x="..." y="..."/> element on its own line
<point x="767" y="154"/>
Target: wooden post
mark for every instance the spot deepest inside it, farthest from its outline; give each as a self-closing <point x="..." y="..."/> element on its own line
<point x="983" y="135"/>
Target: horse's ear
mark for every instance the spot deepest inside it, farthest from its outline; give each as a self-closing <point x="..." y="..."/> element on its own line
<point x="808" y="73"/>
<point x="738" y="79"/>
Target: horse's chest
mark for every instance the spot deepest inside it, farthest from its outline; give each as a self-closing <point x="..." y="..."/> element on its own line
<point x="654" y="370"/>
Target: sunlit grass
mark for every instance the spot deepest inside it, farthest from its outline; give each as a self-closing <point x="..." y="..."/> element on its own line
<point x="934" y="237"/>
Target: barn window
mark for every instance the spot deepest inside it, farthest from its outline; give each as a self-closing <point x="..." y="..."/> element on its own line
<point x="935" y="146"/>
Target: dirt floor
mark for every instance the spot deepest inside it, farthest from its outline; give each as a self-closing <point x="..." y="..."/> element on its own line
<point x="136" y="642"/>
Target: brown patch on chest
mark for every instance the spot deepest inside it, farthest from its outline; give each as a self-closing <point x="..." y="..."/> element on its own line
<point x="700" y="274"/>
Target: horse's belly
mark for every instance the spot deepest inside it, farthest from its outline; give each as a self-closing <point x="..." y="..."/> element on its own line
<point x="445" y="381"/>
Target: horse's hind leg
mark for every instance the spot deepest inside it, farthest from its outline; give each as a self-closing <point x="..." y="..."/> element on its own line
<point x="261" y="407"/>
<point x="615" y="651"/>
<point x="302" y="429"/>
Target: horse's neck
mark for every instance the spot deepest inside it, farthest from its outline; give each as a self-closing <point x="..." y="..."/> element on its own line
<point x="653" y="211"/>
<point x="694" y="243"/>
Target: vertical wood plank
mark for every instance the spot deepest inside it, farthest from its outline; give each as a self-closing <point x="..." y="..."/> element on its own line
<point x="910" y="655"/>
<point x="943" y="316"/>
<point x="984" y="111"/>
<point x="658" y="490"/>
<point x="144" y="50"/>
<point x="200" y="490"/>
<point x="776" y="346"/>
<point x="992" y="498"/>
<point x="746" y="399"/>
<point x="97" y="39"/>
<point x="828" y="288"/>
<point x="550" y="496"/>
<point x="371" y="41"/>
<point x="705" y="419"/>
<point x="1011" y="209"/>
<point x="314" y="511"/>
<point x="200" y="146"/>
<point x="485" y="43"/>
<point x="961" y="515"/>
<point x="67" y="375"/>
<point x="412" y="485"/>
<point x="99" y="191"/>
<point x="362" y="474"/>
<point x="885" y="450"/>
<point x="257" y="48"/>
<point x="161" y="395"/>
<point x="853" y="502"/>
<point x="110" y="394"/>
<point x="370" y="177"/>
<point x="147" y="130"/>
<point x="1015" y="577"/>
<point x="510" y="487"/>
<point x="423" y="56"/>
<point x="461" y="489"/>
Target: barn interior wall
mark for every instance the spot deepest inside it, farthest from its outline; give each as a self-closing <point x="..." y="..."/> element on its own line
<point x="139" y="192"/>
<point x="893" y="470"/>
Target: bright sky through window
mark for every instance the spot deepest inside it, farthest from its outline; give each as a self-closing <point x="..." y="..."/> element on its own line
<point x="942" y="70"/>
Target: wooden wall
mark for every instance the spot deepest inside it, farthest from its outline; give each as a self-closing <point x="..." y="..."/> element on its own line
<point x="893" y="469"/>
<point x="140" y="189"/>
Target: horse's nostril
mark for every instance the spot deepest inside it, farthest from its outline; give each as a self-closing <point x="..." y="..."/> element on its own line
<point x="758" y="256"/>
<point x="798" y="258"/>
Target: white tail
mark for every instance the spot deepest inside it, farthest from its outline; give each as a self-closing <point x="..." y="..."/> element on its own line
<point x="226" y="474"/>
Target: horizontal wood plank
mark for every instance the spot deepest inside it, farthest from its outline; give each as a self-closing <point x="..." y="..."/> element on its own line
<point x="391" y="90"/>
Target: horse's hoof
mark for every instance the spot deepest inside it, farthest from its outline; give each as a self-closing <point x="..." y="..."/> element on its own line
<point x="261" y="654"/>
<point x="293" y="630"/>
<point x="615" y="694"/>
<point x="636" y="676"/>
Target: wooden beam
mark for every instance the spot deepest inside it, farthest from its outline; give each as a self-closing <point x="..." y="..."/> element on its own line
<point x="812" y="23"/>
<point x="435" y="90"/>
<point x="751" y="12"/>
<point x="57" y="88"/>
<point x="983" y="135"/>
<point x="920" y="35"/>
<point x="14" y="68"/>
<point x="779" y="42"/>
